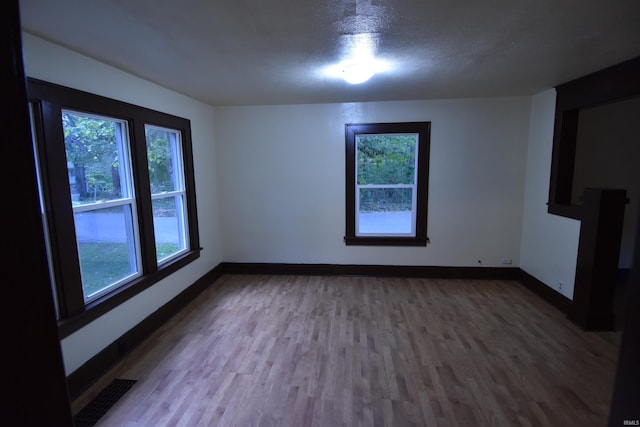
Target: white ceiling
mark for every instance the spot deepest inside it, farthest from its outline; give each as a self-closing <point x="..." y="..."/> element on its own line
<point x="241" y="52"/>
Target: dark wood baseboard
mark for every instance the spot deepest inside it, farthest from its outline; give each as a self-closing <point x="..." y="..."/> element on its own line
<point x="82" y="378"/>
<point x="476" y="273"/>
<point x="545" y="292"/>
<point x="93" y="369"/>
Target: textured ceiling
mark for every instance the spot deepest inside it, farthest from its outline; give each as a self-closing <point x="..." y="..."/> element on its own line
<point x="241" y="52"/>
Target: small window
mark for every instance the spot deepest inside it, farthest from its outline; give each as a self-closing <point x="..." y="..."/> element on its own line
<point x="387" y="174"/>
<point x="166" y="176"/>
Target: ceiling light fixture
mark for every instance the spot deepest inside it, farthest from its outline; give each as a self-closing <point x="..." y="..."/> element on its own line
<point x="359" y="62"/>
<point x="357" y="72"/>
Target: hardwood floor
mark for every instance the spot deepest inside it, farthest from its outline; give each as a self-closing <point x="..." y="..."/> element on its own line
<point x="360" y="351"/>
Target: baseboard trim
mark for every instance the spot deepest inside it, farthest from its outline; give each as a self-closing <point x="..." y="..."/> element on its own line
<point x="475" y="273"/>
<point x="83" y="377"/>
<point x="545" y="292"/>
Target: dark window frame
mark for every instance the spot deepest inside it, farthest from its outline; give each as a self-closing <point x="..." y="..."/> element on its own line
<point x="48" y="100"/>
<point x="423" y="129"/>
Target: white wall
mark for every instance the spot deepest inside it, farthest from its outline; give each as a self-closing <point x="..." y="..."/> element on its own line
<point x="55" y="64"/>
<point x="282" y="181"/>
<point x="549" y="243"/>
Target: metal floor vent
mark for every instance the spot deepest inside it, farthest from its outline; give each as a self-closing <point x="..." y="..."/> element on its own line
<point x="90" y="414"/>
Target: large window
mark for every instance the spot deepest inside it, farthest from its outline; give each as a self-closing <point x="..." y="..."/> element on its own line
<point x="387" y="174"/>
<point x="118" y="196"/>
<point x="103" y="200"/>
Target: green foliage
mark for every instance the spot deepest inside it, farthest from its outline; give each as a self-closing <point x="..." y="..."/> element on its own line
<point x="88" y="140"/>
<point x="159" y="159"/>
<point x="163" y="250"/>
<point x="385" y="199"/>
<point x="104" y="263"/>
<point x="91" y="146"/>
<point x="386" y="159"/>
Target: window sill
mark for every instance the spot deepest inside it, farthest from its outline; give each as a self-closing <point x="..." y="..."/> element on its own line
<point x="385" y="241"/>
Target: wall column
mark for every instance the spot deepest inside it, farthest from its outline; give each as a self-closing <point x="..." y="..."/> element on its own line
<point x="598" y="256"/>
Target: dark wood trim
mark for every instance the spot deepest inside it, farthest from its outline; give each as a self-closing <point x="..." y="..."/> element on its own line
<point x="48" y="100"/>
<point x="598" y="256"/>
<point x="545" y="292"/>
<point x="423" y="129"/>
<point x="93" y="369"/>
<point x="350" y="178"/>
<point x="626" y="393"/>
<point x="567" y="211"/>
<point x="385" y="241"/>
<point x="36" y="392"/>
<point x="480" y="273"/>
<point x="57" y="203"/>
<point x="538" y="287"/>
<point x="144" y="204"/>
<point x="615" y="83"/>
<point x="108" y="302"/>
<point x="612" y="83"/>
<point x="468" y="273"/>
<point x="563" y="158"/>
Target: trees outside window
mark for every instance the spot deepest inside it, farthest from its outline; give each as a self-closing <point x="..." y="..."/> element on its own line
<point x="102" y="199"/>
<point x="168" y="196"/>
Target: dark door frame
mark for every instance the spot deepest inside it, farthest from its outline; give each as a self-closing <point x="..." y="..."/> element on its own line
<point x="616" y="83"/>
<point x="592" y="306"/>
<point x="37" y="388"/>
<point x="595" y="277"/>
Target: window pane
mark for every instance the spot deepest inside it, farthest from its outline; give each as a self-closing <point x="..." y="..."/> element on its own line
<point x="165" y="159"/>
<point x="106" y="246"/>
<point x="97" y="158"/>
<point x="168" y="225"/>
<point x="385" y="211"/>
<point x="386" y="159"/>
<point x="166" y="175"/>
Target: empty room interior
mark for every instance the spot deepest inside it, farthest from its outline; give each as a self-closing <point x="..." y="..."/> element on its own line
<point x="349" y="212"/>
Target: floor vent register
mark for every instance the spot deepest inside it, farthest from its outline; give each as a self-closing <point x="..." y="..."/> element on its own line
<point x="94" y="410"/>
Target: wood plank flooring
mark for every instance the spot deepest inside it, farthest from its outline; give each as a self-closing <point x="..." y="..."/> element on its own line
<point x="360" y="351"/>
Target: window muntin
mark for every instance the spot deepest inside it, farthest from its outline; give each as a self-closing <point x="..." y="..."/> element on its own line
<point x="166" y="177"/>
<point x="387" y="175"/>
<point x="101" y="186"/>
<point x="386" y="184"/>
